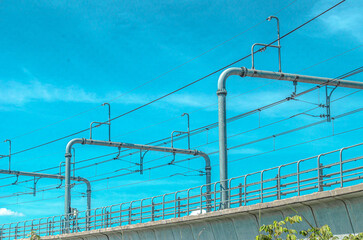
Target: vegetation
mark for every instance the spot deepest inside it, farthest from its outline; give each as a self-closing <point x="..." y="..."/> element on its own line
<point x="33" y="236"/>
<point x="276" y="230"/>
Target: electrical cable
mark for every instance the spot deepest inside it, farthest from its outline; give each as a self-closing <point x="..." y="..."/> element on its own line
<point x="355" y="71"/>
<point x="239" y="159"/>
<point x="230" y="161"/>
<point x="157" y="77"/>
<point x="185" y="86"/>
<point x="259" y="154"/>
<point x="239" y="145"/>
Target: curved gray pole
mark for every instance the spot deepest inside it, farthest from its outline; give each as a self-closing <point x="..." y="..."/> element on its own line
<point x="222" y="92"/>
<point x="67" y="182"/>
<point x="222" y="126"/>
<point x="88" y="192"/>
<point x="68" y="155"/>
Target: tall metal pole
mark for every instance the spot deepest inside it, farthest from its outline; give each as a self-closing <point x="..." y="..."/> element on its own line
<point x="222" y="92"/>
<point x="67" y="182"/>
<point x="109" y="120"/>
<point x="74" y="162"/>
<point x="222" y="129"/>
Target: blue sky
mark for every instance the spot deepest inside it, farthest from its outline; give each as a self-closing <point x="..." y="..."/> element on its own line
<point x="62" y="58"/>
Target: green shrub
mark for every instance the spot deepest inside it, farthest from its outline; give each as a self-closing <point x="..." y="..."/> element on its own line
<point x="275" y="230"/>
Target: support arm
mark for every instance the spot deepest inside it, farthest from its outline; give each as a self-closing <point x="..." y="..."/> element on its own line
<point x="53" y="176"/>
<point x="222" y="92"/>
<point x="68" y="156"/>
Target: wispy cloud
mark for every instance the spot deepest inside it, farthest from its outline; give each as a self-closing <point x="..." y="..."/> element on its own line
<point x="18" y="93"/>
<point x="192" y="100"/>
<point x="8" y="212"/>
<point x="245" y="151"/>
<point x="15" y="93"/>
<point x="346" y="19"/>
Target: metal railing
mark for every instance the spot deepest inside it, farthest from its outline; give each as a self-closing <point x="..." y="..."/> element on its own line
<point x="318" y="173"/>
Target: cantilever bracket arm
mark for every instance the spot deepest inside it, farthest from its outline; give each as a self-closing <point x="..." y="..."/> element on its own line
<point x="261" y="49"/>
<point x="99" y="124"/>
<point x="222" y="119"/>
<point x="52" y="176"/>
<point x="68" y="155"/>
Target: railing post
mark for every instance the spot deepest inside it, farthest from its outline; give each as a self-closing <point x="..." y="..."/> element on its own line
<point x="215" y="197"/>
<point x="208" y="197"/>
<point x="240" y="194"/>
<point x="245" y="191"/>
<point x="341" y="166"/>
<point x="130" y="214"/>
<point x="320" y="174"/>
<point x="76" y="222"/>
<point x="163" y="206"/>
<point x="51" y="230"/>
<point x="201" y="199"/>
<point x="261" y="191"/>
<point x="178" y="206"/>
<point x="141" y="210"/>
<point x="188" y="201"/>
<point x="87" y="219"/>
<point x="95" y="219"/>
<point x="107" y="218"/>
<point x="298" y="177"/>
<point x="152" y="211"/>
<point x="24" y="229"/>
<point x="121" y="214"/>
<point x="175" y="203"/>
<point x="1" y="234"/>
<point x="16" y="231"/>
<point x="320" y="178"/>
<point x="278" y="186"/>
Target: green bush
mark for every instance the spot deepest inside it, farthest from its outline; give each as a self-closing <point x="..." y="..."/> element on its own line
<point x="33" y="236"/>
<point x="276" y="229"/>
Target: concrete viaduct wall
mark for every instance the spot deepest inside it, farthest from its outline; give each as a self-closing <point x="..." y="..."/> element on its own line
<point x="341" y="209"/>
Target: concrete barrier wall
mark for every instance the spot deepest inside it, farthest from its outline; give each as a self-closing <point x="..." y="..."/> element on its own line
<point x="341" y="209"/>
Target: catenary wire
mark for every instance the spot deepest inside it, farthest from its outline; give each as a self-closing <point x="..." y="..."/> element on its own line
<point x="185" y="86"/>
<point x="211" y="153"/>
<point x="157" y="77"/>
<point x="355" y="71"/>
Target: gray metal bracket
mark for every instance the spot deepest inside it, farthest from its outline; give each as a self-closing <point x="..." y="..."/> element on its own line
<point x="35" y="186"/>
<point x="99" y="124"/>
<point x="328" y="103"/>
<point x="142" y="156"/>
<point x="264" y="46"/>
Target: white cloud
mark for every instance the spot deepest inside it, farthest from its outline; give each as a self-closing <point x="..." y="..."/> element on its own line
<point x="192" y="100"/>
<point x="345" y="19"/>
<point x="8" y="212"/>
<point x="245" y="151"/>
<point x="17" y="93"/>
